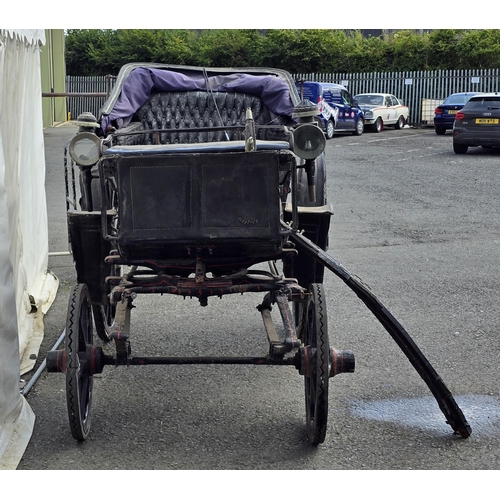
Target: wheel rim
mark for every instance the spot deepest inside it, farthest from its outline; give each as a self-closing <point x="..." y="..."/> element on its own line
<point x="329" y="129"/>
<point x="316" y="382"/>
<point x="79" y="383"/>
<point x="360" y="126"/>
<point x="379" y="124"/>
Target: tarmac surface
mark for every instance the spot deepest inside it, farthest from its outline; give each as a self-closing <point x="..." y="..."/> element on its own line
<point x="419" y="225"/>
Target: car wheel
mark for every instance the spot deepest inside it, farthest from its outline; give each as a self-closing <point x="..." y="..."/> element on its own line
<point x="360" y="127"/>
<point x="400" y="123"/>
<point x="378" y="125"/>
<point x="440" y="131"/>
<point x="460" y="149"/>
<point x="330" y="129"/>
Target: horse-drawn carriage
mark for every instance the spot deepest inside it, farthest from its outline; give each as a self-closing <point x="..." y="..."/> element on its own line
<point x="197" y="182"/>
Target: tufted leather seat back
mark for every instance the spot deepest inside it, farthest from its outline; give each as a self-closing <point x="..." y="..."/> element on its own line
<point x="197" y="109"/>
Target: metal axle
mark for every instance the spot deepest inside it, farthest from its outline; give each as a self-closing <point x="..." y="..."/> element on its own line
<point x="94" y="360"/>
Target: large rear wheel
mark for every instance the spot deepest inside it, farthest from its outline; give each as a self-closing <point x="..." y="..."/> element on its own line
<point x="315" y="339"/>
<point x="79" y="381"/>
<point x="304" y="268"/>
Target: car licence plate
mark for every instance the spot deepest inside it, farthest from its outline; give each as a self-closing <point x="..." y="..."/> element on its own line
<point x="452" y="111"/>
<point x="487" y="121"/>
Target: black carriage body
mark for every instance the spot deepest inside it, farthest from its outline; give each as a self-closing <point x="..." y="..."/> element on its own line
<point x="221" y="207"/>
<point x="177" y="197"/>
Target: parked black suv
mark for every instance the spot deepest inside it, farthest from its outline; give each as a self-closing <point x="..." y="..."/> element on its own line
<point x="477" y="123"/>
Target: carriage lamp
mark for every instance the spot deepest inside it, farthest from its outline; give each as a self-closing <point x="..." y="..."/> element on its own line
<point x="84" y="148"/>
<point x="308" y="141"/>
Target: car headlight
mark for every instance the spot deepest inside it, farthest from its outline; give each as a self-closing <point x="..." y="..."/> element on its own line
<point x="84" y="148"/>
<point x="368" y="114"/>
<point x="308" y="141"/>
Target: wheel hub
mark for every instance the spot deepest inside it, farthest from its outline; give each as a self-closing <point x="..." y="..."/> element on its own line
<point x="339" y="362"/>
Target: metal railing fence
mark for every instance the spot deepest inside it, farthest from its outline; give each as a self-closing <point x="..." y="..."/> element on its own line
<point x="421" y="91"/>
<point x="87" y="84"/>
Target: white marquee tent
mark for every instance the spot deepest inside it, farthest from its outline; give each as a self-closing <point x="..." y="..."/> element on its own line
<point x="27" y="289"/>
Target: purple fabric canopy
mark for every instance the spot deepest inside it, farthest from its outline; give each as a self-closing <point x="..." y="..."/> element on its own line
<point x="141" y="82"/>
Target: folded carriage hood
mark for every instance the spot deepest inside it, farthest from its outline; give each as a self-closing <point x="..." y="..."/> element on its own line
<point x="136" y="82"/>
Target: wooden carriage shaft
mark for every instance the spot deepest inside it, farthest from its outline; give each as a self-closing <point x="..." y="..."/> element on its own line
<point x="444" y="398"/>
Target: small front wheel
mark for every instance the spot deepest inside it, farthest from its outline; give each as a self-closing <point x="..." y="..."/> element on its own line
<point x="315" y="339"/>
<point x="79" y="380"/>
<point x="104" y="314"/>
<point x="460" y="149"/>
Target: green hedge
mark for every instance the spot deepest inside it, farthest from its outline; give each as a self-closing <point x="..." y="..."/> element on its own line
<point x="101" y="52"/>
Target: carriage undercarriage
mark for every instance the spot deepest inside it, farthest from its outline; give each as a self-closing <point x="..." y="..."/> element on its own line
<point x="304" y="346"/>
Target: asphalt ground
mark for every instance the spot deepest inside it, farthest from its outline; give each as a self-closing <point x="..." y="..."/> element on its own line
<point x="414" y="221"/>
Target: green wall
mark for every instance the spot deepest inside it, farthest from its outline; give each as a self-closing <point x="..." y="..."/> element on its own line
<point x="53" y="74"/>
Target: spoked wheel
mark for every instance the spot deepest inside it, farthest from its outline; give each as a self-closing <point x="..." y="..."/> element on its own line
<point x="315" y="337"/>
<point x="103" y="319"/>
<point x="104" y="315"/>
<point x="306" y="269"/>
<point x="79" y="382"/>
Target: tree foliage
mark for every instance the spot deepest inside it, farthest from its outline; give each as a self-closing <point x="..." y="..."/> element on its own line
<point x="101" y="52"/>
<point x="227" y="48"/>
<point x="406" y="49"/>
